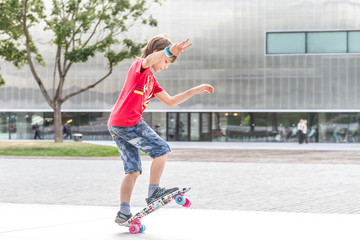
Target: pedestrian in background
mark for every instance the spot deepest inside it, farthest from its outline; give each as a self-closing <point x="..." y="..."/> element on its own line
<point x="300" y="131"/>
<point x="304" y="131"/>
<point x="36" y="128"/>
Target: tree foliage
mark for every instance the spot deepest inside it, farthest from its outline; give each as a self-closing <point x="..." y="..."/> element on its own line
<point x="12" y="44"/>
<point x="79" y="30"/>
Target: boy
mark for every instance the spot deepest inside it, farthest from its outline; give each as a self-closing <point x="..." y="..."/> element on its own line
<point x="128" y="128"/>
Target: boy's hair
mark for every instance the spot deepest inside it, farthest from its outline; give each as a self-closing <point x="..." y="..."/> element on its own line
<point x="158" y="43"/>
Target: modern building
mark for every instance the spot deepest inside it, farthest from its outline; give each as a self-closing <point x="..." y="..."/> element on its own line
<point x="272" y="62"/>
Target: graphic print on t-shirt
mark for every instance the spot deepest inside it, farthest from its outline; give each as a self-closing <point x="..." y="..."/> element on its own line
<point x="145" y="90"/>
<point x="139" y="88"/>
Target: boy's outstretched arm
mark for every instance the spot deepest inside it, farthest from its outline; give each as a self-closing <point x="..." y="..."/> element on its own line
<point x="176" y="50"/>
<point x="172" y="101"/>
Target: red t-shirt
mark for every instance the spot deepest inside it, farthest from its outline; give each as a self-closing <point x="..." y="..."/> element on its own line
<point x="140" y="86"/>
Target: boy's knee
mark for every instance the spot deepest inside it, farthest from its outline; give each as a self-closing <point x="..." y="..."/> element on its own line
<point x="164" y="156"/>
<point x="134" y="174"/>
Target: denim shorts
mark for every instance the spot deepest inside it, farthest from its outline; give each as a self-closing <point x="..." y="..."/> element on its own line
<point x="130" y="140"/>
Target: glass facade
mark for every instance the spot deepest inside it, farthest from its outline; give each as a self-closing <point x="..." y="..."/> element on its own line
<point x="23" y="125"/>
<point x="195" y="126"/>
<point x="258" y="97"/>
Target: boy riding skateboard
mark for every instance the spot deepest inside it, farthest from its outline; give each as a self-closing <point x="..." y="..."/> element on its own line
<point x="129" y="130"/>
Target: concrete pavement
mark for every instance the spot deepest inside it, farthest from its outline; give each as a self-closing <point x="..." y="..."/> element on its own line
<point x="44" y="222"/>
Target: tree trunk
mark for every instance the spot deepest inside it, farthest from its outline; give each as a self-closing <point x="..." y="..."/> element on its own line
<point x="58" y="123"/>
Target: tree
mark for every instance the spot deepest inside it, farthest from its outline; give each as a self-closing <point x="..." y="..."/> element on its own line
<point x="80" y="29"/>
<point x="2" y="82"/>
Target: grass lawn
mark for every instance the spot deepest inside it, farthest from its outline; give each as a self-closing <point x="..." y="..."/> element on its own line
<point x="43" y="148"/>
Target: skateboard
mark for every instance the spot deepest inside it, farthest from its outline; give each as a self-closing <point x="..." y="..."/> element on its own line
<point x="134" y="223"/>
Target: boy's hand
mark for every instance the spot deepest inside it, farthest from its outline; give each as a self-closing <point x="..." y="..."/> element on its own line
<point x="178" y="48"/>
<point x="204" y="88"/>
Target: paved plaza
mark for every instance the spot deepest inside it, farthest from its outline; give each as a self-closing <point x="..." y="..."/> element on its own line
<point x="284" y="187"/>
<point x="266" y="193"/>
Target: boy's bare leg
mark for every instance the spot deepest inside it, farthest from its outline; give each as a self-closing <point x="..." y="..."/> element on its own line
<point x="157" y="168"/>
<point x="127" y="186"/>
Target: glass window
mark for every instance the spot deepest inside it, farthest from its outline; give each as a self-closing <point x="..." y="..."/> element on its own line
<point x="313" y="127"/>
<point x="285" y="43"/>
<point x="313" y="42"/>
<point x="334" y="127"/>
<point x="171" y="125"/>
<point x="4" y="126"/>
<point x="95" y="123"/>
<point x="238" y="127"/>
<point x="29" y="126"/>
<point x="178" y="127"/>
<point x="219" y="125"/>
<point x="327" y="42"/>
<point x="71" y="122"/>
<point x="49" y="131"/>
<point x="93" y="126"/>
<point x="195" y="126"/>
<point x="205" y="134"/>
<point x="354" y="42"/>
<point x="354" y="128"/>
<point x="284" y="126"/>
<point x="183" y="127"/>
<point x="258" y="127"/>
<point x="158" y="123"/>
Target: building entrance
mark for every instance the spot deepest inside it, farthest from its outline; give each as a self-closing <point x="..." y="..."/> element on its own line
<point x="178" y="127"/>
<point x="188" y="126"/>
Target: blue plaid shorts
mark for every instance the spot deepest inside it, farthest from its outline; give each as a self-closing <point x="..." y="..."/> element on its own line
<point x="130" y="140"/>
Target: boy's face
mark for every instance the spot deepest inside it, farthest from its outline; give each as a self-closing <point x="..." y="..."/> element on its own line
<point x="162" y="64"/>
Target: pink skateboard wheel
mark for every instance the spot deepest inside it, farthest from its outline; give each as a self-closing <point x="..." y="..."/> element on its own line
<point x="133" y="229"/>
<point x="187" y="204"/>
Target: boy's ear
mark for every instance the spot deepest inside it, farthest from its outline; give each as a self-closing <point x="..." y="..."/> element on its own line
<point x="155" y="51"/>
